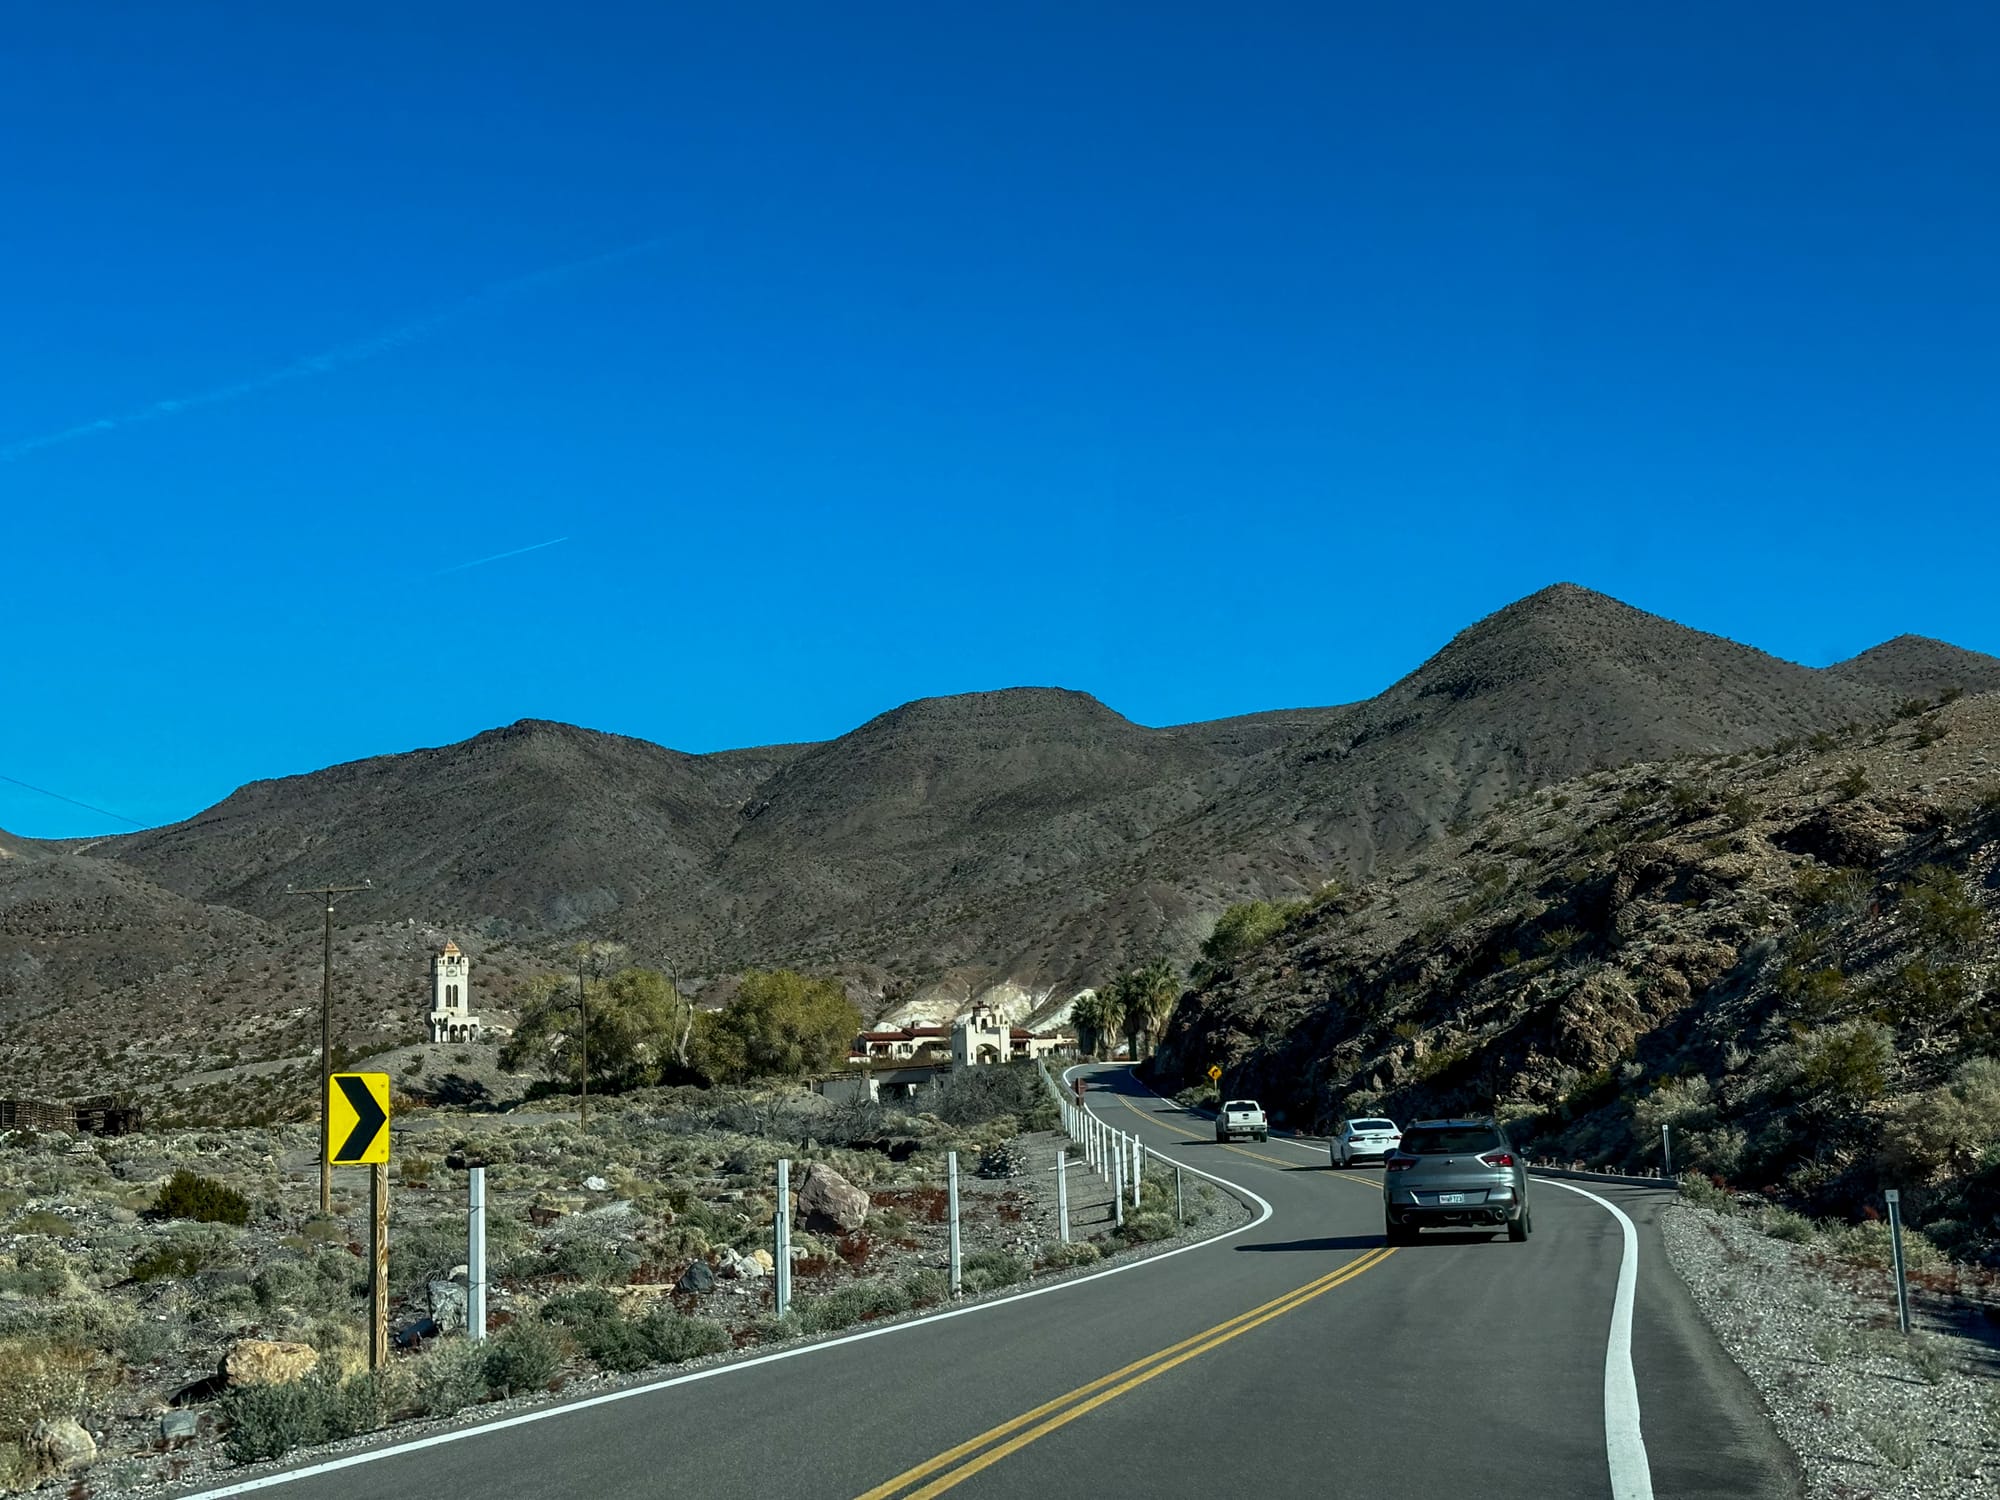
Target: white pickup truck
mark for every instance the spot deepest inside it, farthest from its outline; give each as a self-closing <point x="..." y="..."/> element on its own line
<point x="1241" y="1117"/>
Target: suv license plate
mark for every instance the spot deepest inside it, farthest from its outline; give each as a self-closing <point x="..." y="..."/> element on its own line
<point x="1451" y="1197"/>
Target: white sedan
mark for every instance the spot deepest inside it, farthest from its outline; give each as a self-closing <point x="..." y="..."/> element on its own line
<point x="1363" y="1139"/>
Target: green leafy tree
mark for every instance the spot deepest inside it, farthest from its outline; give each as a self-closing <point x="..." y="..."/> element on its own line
<point x="779" y="1024"/>
<point x="1243" y="927"/>
<point x="638" y="1022"/>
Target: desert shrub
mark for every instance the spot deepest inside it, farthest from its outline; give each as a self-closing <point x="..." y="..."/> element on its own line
<point x="269" y="1421"/>
<point x="1783" y="1224"/>
<point x="310" y="1284"/>
<point x="1947" y="1129"/>
<point x="613" y="1343"/>
<point x="1059" y="1256"/>
<point x="524" y="1356"/>
<point x="40" y="1381"/>
<point x="1898" y="1442"/>
<point x="1851" y="783"/>
<point x="1145" y="1225"/>
<point x="448" y="1377"/>
<point x="184" y="1253"/>
<point x="584" y="1258"/>
<point x="1846" y="1063"/>
<point x="1830" y="895"/>
<point x="1702" y="1192"/>
<point x="1929" y="992"/>
<point x="926" y="1287"/>
<point x="1817" y="989"/>
<point x="850" y="1305"/>
<point x="987" y="1270"/>
<point x="188" y="1195"/>
<point x="1868" y="1243"/>
<point x="575" y="1309"/>
<point x="671" y="1338"/>
<point x="1935" y="902"/>
<point x="1740" y="809"/>
<point x="1683" y="1103"/>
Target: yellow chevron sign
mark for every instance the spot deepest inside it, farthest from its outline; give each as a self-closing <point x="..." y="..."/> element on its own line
<point x="357" y="1117"/>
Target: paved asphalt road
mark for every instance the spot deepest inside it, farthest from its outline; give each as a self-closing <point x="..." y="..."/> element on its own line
<point x="1299" y="1357"/>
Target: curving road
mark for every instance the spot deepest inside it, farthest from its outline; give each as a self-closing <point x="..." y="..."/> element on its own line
<point x="1299" y="1356"/>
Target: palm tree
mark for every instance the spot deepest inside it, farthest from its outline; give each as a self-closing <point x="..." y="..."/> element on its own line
<point x="1152" y="994"/>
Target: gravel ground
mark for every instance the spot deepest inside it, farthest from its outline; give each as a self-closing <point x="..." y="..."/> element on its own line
<point x="1869" y="1412"/>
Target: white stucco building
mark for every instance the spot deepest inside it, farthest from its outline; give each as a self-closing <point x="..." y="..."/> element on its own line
<point x="451" y="1015"/>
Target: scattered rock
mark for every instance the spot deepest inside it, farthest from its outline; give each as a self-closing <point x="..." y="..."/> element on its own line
<point x="62" y="1445"/>
<point x="447" y="1300"/>
<point x="696" y="1278"/>
<point x="267" y="1362"/>
<point x="766" y="1263"/>
<point x="179" y="1427"/>
<point x="829" y="1201"/>
<point x="595" y="1184"/>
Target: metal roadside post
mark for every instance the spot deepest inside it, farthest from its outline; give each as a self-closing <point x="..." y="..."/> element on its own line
<point x="781" y="1237"/>
<point x="1895" y="1198"/>
<point x="1062" y="1194"/>
<point x="951" y="1203"/>
<point x="1667" y="1147"/>
<point x="475" y="1253"/>
<point x="1118" y="1186"/>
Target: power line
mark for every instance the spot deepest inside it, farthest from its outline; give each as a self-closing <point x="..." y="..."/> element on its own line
<point x="86" y="806"/>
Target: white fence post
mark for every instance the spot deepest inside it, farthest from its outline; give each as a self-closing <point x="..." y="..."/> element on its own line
<point x="781" y="1236"/>
<point x="1062" y="1194"/>
<point x="475" y="1254"/>
<point x="951" y="1171"/>
<point x="1118" y="1184"/>
<point x="1138" y="1163"/>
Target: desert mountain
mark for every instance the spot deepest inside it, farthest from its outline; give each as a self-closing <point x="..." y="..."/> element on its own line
<point x="1032" y="835"/>
<point x="1915" y="666"/>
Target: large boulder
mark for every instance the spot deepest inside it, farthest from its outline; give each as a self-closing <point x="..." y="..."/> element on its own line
<point x="62" y="1445"/>
<point x="697" y="1278"/>
<point x="447" y="1300"/>
<point x="267" y="1362"/>
<point x="829" y="1201"/>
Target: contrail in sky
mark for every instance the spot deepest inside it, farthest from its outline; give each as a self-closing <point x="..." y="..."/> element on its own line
<point x="336" y="358"/>
<point x="496" y="557"/>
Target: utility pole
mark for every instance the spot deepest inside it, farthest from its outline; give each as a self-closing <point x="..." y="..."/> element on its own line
<point x="327" y="893"/>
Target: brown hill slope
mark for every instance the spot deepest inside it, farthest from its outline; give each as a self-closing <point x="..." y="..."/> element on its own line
<point x="537" y="826"/>
<point x="1032" y="835"/>
<point x="1915" y="666"/>
<point x="1747" y="947"/>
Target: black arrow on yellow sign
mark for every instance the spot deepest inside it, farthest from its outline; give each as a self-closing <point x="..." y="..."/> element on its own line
<point x="370" y="1116"/>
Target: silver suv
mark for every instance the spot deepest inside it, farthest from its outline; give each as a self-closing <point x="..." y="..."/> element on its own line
<point x="1454" y="1174"/>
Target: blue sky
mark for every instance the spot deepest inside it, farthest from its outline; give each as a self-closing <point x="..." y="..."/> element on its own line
<point x="1207" y="359"/>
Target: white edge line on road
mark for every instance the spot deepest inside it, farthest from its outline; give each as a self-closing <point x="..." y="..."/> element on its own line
<point x="1624" y="1444"/>
<point x="543" y="1414"/>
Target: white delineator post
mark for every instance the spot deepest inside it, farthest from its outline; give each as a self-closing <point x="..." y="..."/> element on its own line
<point x="1667" y="1148"/>
<point x="951" y="1204"/>
<point x="1118" y="1184"/>
<point x="1138" y="1164"/>
<point x="1062" y="1194"/>
<point x="781" y="1236"/>
<point x="1180" y="1202"/>
<point x="475" y="1253"/>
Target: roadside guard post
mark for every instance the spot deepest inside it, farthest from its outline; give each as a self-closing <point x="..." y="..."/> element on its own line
<point x="1062" y="1194"/>
<point x="357" y="1116"/>
<point x="951" y="1207"/>
<point x="781" y="1237"/>
<point x="1895" y="1198"/>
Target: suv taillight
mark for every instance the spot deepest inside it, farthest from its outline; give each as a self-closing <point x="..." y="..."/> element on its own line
<point x="1400" y="1163"/>
<point x="1498" y="1158"/>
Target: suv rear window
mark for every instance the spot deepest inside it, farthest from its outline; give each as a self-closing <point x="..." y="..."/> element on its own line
<point x="1451" y="1140"/>
<point x="1388" y="1125"/>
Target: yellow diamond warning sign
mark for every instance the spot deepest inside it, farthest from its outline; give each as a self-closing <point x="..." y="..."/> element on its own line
<point x="357" y="1117"/>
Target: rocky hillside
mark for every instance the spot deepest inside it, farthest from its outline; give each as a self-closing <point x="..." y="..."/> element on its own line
<point x="1030" y="841"/>
<point x="1787" y="953"/>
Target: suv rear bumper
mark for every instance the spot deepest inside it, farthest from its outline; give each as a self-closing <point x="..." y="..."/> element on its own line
<point x="1421" y="1216"/>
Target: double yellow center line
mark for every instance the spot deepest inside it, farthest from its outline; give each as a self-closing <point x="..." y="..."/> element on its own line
<point x="955" y="1465"/>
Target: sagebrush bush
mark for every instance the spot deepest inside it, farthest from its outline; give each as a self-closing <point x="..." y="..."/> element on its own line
<point x="988" y="1270"/>
<point x="926" y="1286"/>
<point x="269" y="1421"/>
<point x="1946" y="1129"/>
<point x="188" y="1195"/>
<point x="1847" y="1063"/>
<point x="449" y="1377"/>
<point x="39" y="1381"/>
<point x="1700" y="1191"/>
<point x="671" y="1338"/>
<point x="522" y="1357"/>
